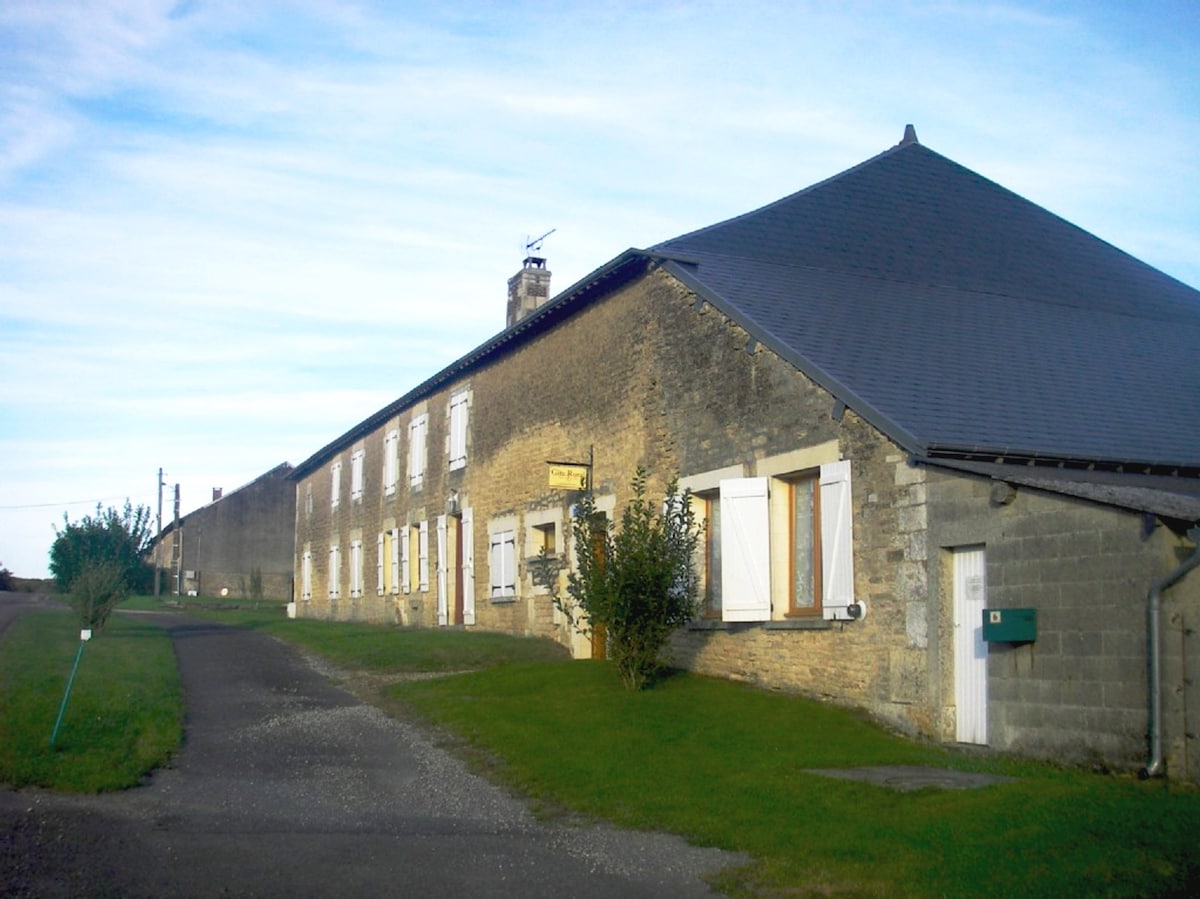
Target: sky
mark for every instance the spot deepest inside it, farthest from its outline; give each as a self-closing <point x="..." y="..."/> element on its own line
<point x="231" y="230"/>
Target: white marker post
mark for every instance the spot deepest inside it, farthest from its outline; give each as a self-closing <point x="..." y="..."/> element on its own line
<point x="84" y="636"/>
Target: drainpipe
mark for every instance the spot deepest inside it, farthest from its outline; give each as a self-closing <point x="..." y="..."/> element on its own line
<point x="1154" y="767"/>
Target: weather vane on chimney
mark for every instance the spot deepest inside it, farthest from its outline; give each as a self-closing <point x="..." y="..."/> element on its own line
<point x="533" y="248"/>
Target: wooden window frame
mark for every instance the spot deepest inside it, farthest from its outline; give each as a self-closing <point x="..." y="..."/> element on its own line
<point x="813" y="479"/>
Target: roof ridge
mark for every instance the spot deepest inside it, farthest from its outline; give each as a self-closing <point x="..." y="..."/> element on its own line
<point x="903" y="146"/>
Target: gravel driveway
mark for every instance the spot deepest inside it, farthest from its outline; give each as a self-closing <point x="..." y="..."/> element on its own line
<point x="289" y="786"/>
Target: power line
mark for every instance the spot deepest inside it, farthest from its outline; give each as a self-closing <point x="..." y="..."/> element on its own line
<point x="74" y="502"/>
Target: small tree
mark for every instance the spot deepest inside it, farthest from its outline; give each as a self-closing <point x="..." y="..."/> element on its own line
<point x="6" y="578"/>
<point x="95" y="592"/>
<point x="637" y="584"/>
<point x="110" y="537"/>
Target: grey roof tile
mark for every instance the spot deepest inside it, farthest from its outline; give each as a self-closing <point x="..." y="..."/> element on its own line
<point x="958" y="316"/>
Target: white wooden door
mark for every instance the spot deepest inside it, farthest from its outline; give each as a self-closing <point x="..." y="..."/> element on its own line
<point x="970" y="650"/>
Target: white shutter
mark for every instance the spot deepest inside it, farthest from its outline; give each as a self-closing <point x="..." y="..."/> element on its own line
<point x="395" y="560"/>
<point x="496" y="564"/>
<point x="467" y="523"/>
<point x="306" y="576"/>
<point x="416" y="450"/>
<point x="745" y="550"/>
<point x="379" y="564"/>
<point x="458" y="431"/>
<point x="389" y="462"/>
<point x="334" y="573"/>
<point x="837" y="541"/>
<point x="356" y="475"/>
<point x="503" y="562"/>
<point x="405" y="569"/>
<point x="356" y="555"/>
<point x="442" y="612"/>
<point x="423" y="558"/>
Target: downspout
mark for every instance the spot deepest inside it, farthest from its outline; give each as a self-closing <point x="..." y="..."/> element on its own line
<point x="1154" y="766"/>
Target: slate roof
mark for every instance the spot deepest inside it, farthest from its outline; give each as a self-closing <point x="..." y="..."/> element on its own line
<point x="961" y="319"/>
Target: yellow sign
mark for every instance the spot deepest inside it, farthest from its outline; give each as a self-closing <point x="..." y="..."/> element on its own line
<point x="568" y="477"/>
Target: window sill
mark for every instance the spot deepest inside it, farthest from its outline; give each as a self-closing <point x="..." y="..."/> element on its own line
<point x="789" y="624"/>
<point x="799" y="624"/>
<point x="503" y="600"/>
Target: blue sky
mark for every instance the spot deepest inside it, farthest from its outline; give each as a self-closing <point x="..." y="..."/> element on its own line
<point x="229" y="231"/>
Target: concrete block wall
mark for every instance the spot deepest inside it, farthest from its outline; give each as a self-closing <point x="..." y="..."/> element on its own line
<point x="1079" y="693"/>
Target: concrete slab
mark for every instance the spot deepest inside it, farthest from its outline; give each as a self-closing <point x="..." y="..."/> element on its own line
<point x="913" y="777"/>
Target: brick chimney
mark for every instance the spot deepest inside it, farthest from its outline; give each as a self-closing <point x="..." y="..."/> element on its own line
<point x="527" y="289"/>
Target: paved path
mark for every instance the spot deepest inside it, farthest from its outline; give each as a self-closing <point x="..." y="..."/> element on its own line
<point x="288" y="786"/>
<point x="14" y="605"/>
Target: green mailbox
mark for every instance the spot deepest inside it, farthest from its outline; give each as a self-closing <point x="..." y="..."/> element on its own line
<point x="1010" y="625"/>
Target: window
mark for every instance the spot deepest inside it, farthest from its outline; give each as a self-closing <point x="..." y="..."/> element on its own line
<point x="503" y="560"/>
<point x="545" y="539"/>
<point x="817" y="575"/>
<point x="383" y="547"/>
<point x="308" y="500"/>
<point x="406" y="574"/>
<point x="458" y="430"/>
<point x="335" y="484"/>
<point x="391" y="461"/>
<point x="394" y="560"/>
<point x="356" y="475"/>
<point x="334" y="573"/>
<point x="804" y="545"/>
<point x="711" y="510"/>
<point x="423" y="557"/>
<point x="416" y="450"/>
<point x="356" y="561"/>
<point x="306" y="575"/>
<point x="543" y="534"/>
<point x="415" y="558"/>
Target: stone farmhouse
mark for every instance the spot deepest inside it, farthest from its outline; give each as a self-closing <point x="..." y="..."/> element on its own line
<point x="945" y="443"/>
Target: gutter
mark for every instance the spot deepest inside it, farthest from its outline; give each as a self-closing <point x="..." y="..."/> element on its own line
<point x="1155" y="765"/>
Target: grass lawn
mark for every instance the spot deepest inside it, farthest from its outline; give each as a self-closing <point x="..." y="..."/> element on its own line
<point x="723" y="764"/>
<point x="125" y="712"/>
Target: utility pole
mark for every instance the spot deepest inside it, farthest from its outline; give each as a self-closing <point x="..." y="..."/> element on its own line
<point x="178" y="548"/>
<point x="158" y="543"/>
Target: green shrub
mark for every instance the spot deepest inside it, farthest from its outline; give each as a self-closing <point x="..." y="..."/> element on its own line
<point x="635" y="585"/>
<point x="96" y="590"/>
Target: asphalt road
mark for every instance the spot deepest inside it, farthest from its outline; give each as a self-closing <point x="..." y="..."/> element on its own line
<point x="288" y="786"/>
